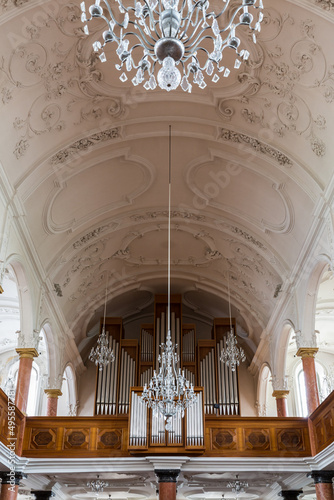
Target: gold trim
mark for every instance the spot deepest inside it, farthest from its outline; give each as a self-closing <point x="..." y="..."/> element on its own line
<point x="27" y="352"/>
<point x="307" y="352"/>
<point x="1" y="289"/>
<point x="53" y="393"/>
<point x="280" y="394"/>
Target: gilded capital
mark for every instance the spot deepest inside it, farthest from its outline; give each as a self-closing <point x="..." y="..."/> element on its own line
<point x="280" y="394"/>
<point x="307" y="352"/>
<point x="53" y="393"/>
<point x="27" y="352"/>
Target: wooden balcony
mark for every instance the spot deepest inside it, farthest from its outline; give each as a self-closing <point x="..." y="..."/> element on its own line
<point x="103" y="436"/>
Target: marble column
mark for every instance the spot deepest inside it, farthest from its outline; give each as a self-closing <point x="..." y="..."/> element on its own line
<point x="43" y="494"/>
<point x="323" y="481"/>
<point x="52" y="401"/>
<point x="290" y="494"/>
<point x="281" y="402"/>
<point x="307" y="354"/>
<point x="27" y="354"/>
<point x="167" y="483"/>
<point x="10" y="484"/>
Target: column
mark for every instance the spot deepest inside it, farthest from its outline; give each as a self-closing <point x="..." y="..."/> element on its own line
<point x="52" y="401"/>
<point x="281" y="402"/>
<point x="27" y="354"/>
<point x="307" y="354"/>
<point x="10" y="484"/>
<point x="290" y="494"/>
<point x="323" y="481"/>
<point x="43" y="494"/>
<point x="167" y="483"/>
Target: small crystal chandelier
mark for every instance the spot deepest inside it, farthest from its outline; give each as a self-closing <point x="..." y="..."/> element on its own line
<point x="102" y="354"/>
<point x="182" y="33"/>
<point x="97" y="486"/>
<point x="168" y="391"/>
<point x="232" y="354"/>
<point x="237" y="486"/>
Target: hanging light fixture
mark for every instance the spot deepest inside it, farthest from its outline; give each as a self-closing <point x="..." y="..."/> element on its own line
<point x="232" y="354"/>
<point x="98" y="485"/>
<point x="182" y="33"/>
<point x="102" y="354"/>
<point x="168" y="391"/>
<point x="237" y="486"/>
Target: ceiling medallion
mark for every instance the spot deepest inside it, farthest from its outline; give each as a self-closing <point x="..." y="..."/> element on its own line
<point x="173" y="33"/>
<point x="168" y="391"/>
<point x="237" y="486"/>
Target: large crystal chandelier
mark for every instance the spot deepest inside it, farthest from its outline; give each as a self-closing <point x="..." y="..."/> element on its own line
<point x="184" y="33"/>
<point x="102" y="354"/>
<point x="168" y="391"/>
<point x="232" y="354"/>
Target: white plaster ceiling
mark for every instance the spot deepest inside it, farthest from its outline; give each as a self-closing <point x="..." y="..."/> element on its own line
<point x="86" y="158"/>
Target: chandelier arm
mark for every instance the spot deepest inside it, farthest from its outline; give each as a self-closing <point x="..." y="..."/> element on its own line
<point x="143" y="40"/>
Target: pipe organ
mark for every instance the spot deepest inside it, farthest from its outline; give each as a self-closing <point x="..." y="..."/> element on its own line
<point x="134" y="364"/>
<point x="147" y="429"/>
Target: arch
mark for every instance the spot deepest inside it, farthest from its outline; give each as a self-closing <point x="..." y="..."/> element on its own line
<point x="281" y="350"/>
<point x="307" y="320"/>
<point x="25" y="299"/>
<point x="67" y="403"/>
<point x="262" y="389"/>
<point x="52" y="358"/>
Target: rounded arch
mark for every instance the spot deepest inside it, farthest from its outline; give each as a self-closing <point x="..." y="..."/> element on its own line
<point x="67" y="403"/>
<point x="265" y="401"/>
<point x="307" y="321"/>
<point x="25" y="298"/>
<point x="281" y="349"/>
<point x="51" y="351"/>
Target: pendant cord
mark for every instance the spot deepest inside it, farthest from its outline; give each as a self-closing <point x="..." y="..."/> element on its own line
<point x="105" y="304"/>
<point x="229" y="299"/>
<point x="169" y="217"/>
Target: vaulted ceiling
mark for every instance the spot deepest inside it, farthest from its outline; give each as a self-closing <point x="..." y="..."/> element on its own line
<point x="86" y="160"/>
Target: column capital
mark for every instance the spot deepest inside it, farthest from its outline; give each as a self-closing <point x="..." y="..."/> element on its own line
<point x="290" y="494"/>
<point x="280" y="394"/>
<point x="27" y="352"/>
<point x="167" y="475"/>
<point x="10" y="478"/>
<point x="43" y="494"/>
<point x="53" y="393"/>
<point x="322" y="476"/>
<point x="307" y="352"/>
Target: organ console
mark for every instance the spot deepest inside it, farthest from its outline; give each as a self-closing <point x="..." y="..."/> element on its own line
<point x="119" y="385"/>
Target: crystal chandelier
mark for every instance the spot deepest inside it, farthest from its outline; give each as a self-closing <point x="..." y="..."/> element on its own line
<point x="97" y="486"/>
<point x="173" y="33"/>
<point x="168" y="391"/>
<point x="232" y="354"/>
<point x="102" y="354"/>
<point x="237" y="486"/>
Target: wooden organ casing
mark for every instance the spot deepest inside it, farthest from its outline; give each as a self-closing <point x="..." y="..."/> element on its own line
<point x="134" y="365"/>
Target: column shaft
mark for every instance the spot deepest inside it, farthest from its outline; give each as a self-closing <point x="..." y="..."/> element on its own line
<point x="312" y="396"/>
<point x="23" y="378"/>
<point x="167" y="491"/>
<point x="52" y="401"/>
<point x="9" y="492"/>
<point x="281" y="402"/>
<point x="324" y="491"/>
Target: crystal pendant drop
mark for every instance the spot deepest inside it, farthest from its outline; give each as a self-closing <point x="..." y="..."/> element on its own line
<point x="169" y="77"/>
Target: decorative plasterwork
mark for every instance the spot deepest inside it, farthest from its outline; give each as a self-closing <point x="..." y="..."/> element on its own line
<point x="123" y="198"/>
<point x="48" y="58"/>
<point x="84" y="145"/>
<point x="325" y="4"/>
<point x="180" y="214"/>
<point x="258" y="146"/>
<point x="210" y="251"/>
<point x="209" y="191"/>
<point x="274" y="102"/>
